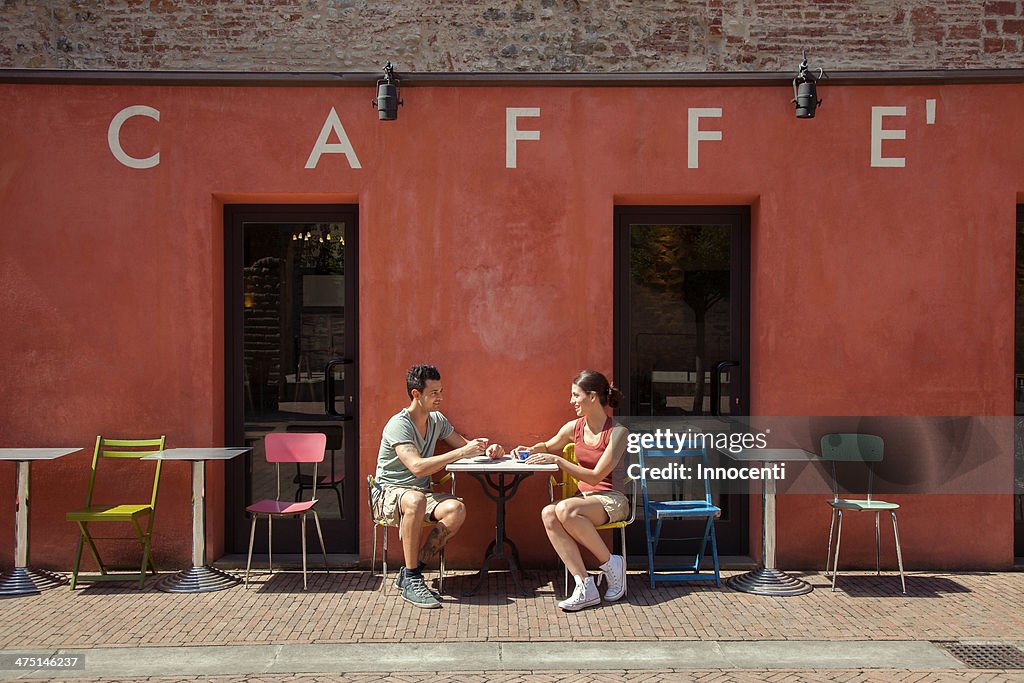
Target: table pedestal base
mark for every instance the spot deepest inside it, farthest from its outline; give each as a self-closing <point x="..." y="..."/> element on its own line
<point x="496" y="552"/>
<point x="25" y="580"/>
<point x="499" y="491"/>
<point x="769" y="582"/>
<point x="198" y="580"/>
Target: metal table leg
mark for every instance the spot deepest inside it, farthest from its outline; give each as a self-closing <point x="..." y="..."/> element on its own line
<point x="767" y="580"/>
<point x="499" y="492"/>
<point x="200" y="578"/>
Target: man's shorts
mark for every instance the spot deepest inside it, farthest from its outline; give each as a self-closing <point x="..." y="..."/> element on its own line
<point x="387" y="502"/>
<point x="614" y="503"/>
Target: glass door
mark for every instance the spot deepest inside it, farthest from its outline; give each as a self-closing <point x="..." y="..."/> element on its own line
<point x="682" y="333"/>
<point x="291" y="364"/>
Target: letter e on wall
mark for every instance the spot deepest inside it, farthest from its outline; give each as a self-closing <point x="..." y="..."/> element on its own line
<point x="878" y="134"/>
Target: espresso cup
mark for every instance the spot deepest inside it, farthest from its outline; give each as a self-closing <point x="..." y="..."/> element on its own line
<point x="522" y="453"/>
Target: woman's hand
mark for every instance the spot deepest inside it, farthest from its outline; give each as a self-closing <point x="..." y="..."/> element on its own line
<point x="543" y="459"/>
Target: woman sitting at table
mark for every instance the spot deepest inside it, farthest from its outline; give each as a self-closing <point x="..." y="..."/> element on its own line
<point x="572" y="523"/>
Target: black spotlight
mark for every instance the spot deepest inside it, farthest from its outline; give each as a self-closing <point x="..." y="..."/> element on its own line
<point x="805" y="90"/>
<point x="387" y="101"/>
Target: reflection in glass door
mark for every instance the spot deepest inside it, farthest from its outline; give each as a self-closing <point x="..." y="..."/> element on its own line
<point x="290" y="359"/>
<point x="682" y="331"/>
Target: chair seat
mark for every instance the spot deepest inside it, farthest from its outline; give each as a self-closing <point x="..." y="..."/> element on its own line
<point x="280" y="507"/>
<point x="613" y="525"/>
<point x="108" y="513"/>
<point x="683" y="508"/>
<point x="863" y="505"/>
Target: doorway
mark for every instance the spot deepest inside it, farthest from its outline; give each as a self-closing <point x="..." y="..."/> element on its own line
<point x="291" y="364"/>
<point x="682" y="332"/>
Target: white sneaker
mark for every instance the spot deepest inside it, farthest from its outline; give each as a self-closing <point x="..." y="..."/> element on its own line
<point x="614" y="572"/>
<point x="585" y="595"/>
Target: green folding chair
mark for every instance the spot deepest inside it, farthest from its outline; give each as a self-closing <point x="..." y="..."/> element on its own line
<point x="134" y="514"/>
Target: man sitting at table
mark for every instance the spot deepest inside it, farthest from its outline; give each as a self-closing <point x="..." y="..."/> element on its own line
<point x="405" y="463"/>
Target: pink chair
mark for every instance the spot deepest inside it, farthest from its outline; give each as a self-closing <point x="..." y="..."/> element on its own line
<point x="297" y="448"/>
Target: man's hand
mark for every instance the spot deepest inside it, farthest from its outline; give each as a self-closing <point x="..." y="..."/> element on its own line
<point x="474" y="447"/>
<point x="495" y="451"/>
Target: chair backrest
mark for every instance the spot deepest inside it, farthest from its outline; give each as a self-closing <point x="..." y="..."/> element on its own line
<point x="376" y="513"/>
<point x="335" y="433"/>
<point x="132" y="449"/>
<point x="660" y="459"/>
<point x="295" y="447"/>
<point x="570" y="487"/>
<point x="866" y="448"/>
<point x="852" y="447"/>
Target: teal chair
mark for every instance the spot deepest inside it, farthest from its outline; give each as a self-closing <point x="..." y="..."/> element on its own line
<point x="859" y="448"/>
<point x="700" y="509"/>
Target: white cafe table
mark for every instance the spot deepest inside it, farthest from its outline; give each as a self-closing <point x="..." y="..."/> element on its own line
<point x="23" y="580"/>
<point x="767" y="579"/>
<point x="200" y="577"/>
<point x="492" y="476"/>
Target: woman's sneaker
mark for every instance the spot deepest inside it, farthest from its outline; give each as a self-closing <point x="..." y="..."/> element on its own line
<point x="415" y="591"/>
<point x="585" y="595"/>
<point x="614" y="573"/>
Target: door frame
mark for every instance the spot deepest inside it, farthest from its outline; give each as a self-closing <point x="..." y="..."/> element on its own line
<point x="1018" y="499"/>
<point x="236" y="475"/>
<point x="738" y="217"/>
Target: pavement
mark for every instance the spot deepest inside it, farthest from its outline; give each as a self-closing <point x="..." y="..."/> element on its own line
<point x="345" y="628"/>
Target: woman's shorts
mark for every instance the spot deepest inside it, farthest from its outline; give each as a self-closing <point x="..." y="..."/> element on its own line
<point x="614" y="503"/>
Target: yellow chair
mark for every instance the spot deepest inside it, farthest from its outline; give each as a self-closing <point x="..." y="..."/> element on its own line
<point x="570" y="487"/>
<point x="377" y="515"/>
<point x="133" y="449"/>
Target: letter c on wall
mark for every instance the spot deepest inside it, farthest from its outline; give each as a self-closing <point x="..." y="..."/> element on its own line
<point x="114" y="136"/>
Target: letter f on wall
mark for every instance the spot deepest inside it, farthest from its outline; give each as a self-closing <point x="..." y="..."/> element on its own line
<point x="694" y="134"/>
<point x="512" y="134"/>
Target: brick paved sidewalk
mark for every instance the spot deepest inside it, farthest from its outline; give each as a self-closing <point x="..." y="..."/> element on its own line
<point x="347" y="607"/>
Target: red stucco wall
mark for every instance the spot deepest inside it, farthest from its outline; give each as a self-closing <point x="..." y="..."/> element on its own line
<point x="873" y="290"/>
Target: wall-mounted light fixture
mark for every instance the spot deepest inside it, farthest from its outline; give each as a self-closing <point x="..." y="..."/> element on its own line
<point x="805" y="90"/>
<point x="387" y="101"/>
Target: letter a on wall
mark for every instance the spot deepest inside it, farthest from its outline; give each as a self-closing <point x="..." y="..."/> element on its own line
<point x="343" y="146"/>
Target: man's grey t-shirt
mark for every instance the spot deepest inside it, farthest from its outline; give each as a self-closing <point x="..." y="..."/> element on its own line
<point x="400" y="429"/>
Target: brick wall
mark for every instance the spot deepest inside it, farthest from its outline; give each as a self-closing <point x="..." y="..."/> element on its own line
<point x="498" y="35"/>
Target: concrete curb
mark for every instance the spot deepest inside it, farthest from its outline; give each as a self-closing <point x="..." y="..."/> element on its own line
<point x="141" y="662"/>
